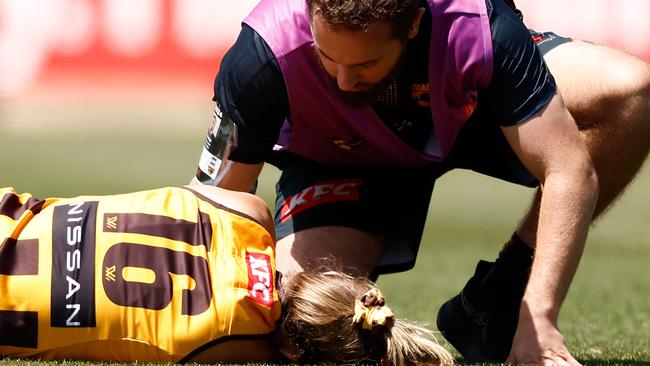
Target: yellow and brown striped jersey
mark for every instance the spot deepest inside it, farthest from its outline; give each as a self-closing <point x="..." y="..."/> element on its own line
<point x="150" y="276"/>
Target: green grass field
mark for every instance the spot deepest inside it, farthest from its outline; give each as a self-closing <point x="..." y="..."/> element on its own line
<point x="89" y="147"/>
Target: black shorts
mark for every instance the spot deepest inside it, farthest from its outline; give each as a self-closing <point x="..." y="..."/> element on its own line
<point x="392" y="202"/>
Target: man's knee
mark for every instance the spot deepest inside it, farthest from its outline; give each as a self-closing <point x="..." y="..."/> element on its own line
<point x="629" y="81"/>
<point x="625" y="99"/>
<point x="628" y="97"/>
<point x="600" y="83"/>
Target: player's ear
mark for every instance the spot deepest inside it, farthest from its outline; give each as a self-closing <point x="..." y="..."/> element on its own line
<point x="384" y="361"/>
<point x="415" y="26"/>
<point x="290" y="352"/>
<point x="285" y="347"/>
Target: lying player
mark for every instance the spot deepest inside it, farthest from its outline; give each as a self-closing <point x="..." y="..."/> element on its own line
<point x="180" y="274"/>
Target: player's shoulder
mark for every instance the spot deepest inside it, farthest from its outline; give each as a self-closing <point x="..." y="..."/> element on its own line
<point x="242" y="202"/>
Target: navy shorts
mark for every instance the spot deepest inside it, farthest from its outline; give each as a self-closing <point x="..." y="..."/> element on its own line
<point x="391" y="202"/>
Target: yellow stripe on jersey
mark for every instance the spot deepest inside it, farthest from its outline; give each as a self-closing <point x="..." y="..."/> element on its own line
<point x="151" y="275"/>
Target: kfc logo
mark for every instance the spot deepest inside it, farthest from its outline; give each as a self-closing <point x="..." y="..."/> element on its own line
<point x="323" y="192"/>
<point x="260" y="278"/>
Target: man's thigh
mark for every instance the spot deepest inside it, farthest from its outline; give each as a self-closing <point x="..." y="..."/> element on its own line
<point x="327" y="248"/>
<point x="384" y="203"/>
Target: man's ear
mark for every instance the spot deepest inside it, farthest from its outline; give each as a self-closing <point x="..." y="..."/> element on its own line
<point x="415" y="26"/>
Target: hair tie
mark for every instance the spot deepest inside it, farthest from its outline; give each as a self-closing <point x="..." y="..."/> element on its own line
<point x="371" y="312"/>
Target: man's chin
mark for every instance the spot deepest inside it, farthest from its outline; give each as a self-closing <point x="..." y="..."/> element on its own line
<point x="357" y="99"/>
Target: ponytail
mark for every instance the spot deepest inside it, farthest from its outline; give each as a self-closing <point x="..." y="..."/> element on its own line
<point x="333" y="317"/>
<point x="411" y="344"/>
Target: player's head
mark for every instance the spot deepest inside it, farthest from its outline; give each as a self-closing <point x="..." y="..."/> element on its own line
<point x="331" y="317"/>
<point x="362" y="43"/>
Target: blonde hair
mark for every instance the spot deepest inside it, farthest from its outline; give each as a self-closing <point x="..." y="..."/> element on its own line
<point x="319" y="318"/>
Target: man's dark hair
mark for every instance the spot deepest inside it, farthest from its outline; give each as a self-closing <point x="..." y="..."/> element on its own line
<point x="357" y="15"/>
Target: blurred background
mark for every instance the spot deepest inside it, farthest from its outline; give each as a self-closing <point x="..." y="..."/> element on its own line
<point x="112" y="91"/>
<point x="109" y="96"/>
<point x="102" y="96"/>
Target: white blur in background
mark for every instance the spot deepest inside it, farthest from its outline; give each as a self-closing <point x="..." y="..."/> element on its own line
<point x="35" y="32"/>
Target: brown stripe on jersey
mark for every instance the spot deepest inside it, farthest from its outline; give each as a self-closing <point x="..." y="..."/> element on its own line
<point x="19" y="257"/>
<point x="19" y="328"/>
<point x="193" y="233"/>
<point x="10" y="206"/>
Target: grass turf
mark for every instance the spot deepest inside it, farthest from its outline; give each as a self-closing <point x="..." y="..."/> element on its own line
<point x="605" y="319"/>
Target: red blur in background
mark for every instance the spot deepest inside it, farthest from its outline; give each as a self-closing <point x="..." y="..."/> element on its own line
<point x="112" y="43"/>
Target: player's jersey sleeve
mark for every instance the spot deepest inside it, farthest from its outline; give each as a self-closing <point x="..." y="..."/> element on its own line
<point x="250" y="89"/>
<point x="521" y="83"/>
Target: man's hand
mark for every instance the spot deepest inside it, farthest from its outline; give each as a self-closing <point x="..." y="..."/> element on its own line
<point x="538" y="341"/>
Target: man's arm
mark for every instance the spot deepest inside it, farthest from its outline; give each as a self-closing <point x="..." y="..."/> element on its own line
<point x="215" y="165"/>
<point x="241" y="177"/>
<point x="550" y="146"/>
<point x="238" y="177"/>
<point x="251" y="106"/>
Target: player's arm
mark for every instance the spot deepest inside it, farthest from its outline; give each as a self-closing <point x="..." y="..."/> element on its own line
<point x="251" y="106"/>
<point x="550" y="146"/>
<point x="523" y="98"/>
<point x="216" y="167"/>
<point x="238" y="351"/>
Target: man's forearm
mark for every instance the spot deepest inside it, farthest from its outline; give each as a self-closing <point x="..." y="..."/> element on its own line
<point x="565" y="215"/>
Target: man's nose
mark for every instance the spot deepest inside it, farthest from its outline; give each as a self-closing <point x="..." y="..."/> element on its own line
<point x="346" y="78"/>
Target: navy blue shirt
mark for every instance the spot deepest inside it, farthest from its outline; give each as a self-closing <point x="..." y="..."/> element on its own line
<point x="250" y="89"/>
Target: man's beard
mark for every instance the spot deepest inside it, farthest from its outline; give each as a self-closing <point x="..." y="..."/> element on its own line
<point x="367" y="97"/>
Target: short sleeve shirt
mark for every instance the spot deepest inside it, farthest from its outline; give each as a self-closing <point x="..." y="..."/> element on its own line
<point x="250" y="88"/>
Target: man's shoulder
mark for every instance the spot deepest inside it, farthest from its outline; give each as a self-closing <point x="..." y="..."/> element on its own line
<point x="283" y="24"/>
<point x="247" y="69"/>
<point x="250" y="53"/>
